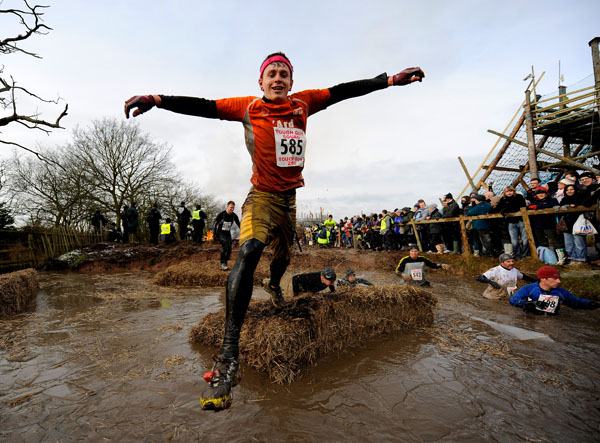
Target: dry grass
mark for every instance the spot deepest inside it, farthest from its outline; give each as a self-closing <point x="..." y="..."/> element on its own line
<point x="282" y="342"/>
<point x="16" y="289"/>
<point x="206" y="274"/>
<point x="174" y="360"/>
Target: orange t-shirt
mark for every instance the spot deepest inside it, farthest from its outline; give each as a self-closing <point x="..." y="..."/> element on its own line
<point x="275" y="135"/>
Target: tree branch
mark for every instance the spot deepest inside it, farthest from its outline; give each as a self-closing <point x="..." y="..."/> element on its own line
<point x="8" y="45"/>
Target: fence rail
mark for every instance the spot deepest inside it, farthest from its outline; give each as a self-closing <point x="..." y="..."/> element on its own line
<point x="33" y="248"/>
<point x="524" y="213"/>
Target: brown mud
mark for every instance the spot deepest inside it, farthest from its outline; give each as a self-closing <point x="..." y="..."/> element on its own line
<point x="103" y="354"/>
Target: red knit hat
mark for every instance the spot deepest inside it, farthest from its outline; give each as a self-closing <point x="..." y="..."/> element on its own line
<point x="547" y="272"/>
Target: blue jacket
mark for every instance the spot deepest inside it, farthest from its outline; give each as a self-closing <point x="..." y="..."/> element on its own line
<point x="480" y="209"/>
<point x="533" y="291"/>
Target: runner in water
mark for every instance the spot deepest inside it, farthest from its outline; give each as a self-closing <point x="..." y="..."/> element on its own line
<point x="546" y="296"/>
<point x="502" y="279"/>
<point x="412" y="267"/>
<point x="274" y="127"/>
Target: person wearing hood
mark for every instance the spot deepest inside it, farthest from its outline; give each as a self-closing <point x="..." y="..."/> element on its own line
<point x="435" y="229"/>
<point x="451" y="231"/>
<point x="502" y="279"/>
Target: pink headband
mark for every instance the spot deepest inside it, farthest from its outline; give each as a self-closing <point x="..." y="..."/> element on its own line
<point x="275" y="58"/>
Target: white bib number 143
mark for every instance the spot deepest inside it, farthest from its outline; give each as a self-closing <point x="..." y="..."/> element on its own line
<point x="290" y="145"/>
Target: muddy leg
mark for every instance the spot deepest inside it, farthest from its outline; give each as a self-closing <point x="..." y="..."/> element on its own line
<point x="239" y="293"/>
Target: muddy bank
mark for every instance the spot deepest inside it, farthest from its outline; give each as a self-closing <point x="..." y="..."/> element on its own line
<point x="583" y="279"/>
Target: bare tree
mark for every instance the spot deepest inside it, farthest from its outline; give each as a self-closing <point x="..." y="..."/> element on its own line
<point x="107" y="165"/>
<point x="122" y="165"/>
<point x="30" y="20"/>
<point x="50" y="195"/>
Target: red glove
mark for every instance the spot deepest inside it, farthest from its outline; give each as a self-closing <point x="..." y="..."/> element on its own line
<point x="532" y="207"/>
<point x="143" y="103"/>
<point x="408" y="76"/>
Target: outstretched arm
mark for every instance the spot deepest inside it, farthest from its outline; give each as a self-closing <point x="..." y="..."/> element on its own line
<point x="357" y="88"/>
<point x="483" y="279"/>
<point x="199" y="107"/>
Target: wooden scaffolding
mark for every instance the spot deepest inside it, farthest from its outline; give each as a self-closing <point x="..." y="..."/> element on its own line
<point x="552" y="135"/>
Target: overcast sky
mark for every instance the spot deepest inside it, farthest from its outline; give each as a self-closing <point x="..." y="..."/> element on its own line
<point x="380" y="151"/>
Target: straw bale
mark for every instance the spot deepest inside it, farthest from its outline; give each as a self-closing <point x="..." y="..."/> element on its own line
<point x="16" y="288"/>
<point x="205" y="274"/>
<point x="281" y="342"/>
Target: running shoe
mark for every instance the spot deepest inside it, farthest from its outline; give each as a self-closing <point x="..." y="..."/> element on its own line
<point x="225" y="374"/>
<point x="275" y="293"/>
<point x="224" y="267"/>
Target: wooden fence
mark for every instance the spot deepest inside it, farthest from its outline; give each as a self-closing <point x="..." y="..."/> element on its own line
<point x="33" y="248"/>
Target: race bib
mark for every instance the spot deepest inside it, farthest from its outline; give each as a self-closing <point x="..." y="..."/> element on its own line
<point x="552" y="303"/>
<point x="416" y="274"/>
<point x="290" y="146"/>
<point x="226" y="226"/>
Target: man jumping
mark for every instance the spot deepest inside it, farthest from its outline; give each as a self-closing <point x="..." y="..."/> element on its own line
<point x="274" y="127"/>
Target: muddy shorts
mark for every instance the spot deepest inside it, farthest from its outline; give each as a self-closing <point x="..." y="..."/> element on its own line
<point x="270" y="217"/>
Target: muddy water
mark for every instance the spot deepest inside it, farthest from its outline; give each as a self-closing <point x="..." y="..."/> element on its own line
<point x="106" y="357"/>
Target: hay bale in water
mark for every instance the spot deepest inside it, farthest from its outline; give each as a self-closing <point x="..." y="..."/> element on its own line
<point x="16" y="288"/>
<point x="202" y="274"/>
<point x="282" y="342"/>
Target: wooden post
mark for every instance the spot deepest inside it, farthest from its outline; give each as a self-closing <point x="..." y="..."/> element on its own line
<point x="596" y="62"/>
<point x="465" y="239"/>
<point x="529" y="231"/>
<point x="467" y="174"/>
<point x="530" y="136"/>
<point x="562" y="90"/>
<point x="412" y="222"/>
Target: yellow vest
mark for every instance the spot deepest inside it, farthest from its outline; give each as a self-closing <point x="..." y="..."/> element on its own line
<point x="196" y="215"/>
<point x="324" y="241"/>
<point x="165" y="228"/>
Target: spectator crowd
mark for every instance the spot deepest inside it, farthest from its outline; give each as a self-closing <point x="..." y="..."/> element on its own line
<point x="557" y="232"/>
